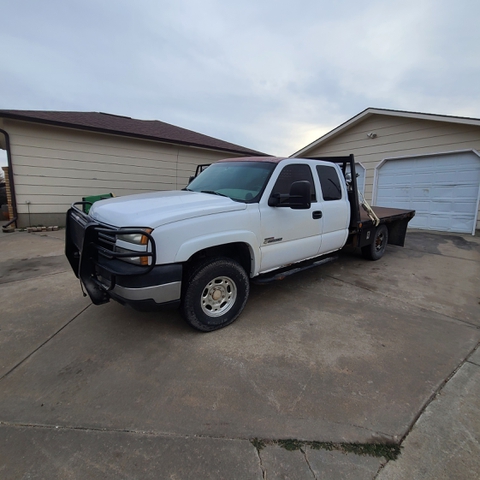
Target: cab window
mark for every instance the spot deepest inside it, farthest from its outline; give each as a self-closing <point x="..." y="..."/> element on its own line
<point x="294" y="173"/>
<point x="330" y="183"/>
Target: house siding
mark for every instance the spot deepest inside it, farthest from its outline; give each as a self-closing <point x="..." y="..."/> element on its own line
<point x="54" y="167"/>
<point x="398" y="137"/>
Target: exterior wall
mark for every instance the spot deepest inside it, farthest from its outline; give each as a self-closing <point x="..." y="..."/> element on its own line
<point x="398" y="137"/>
<point x="54" y="167"/>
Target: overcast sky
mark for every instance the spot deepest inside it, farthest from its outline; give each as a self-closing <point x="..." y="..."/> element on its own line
<point x="271" y="75"/>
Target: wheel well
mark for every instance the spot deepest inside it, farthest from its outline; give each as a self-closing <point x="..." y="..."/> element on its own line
<point x="240" y="252"/>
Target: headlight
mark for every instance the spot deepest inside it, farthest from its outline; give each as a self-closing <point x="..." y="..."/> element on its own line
<point x="135" y="238"/>
<point x="134" y="243"/>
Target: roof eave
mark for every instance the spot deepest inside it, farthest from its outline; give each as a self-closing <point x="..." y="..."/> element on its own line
<point x="392" y="113"/>
<point x="26" y="118"/>
<point x="332" y="133"/>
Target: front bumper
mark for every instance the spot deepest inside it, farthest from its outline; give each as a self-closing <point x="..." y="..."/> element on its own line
<point x="161" y="288"/>
<point x="90" y="249"/>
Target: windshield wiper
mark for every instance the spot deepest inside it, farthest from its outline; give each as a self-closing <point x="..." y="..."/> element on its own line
<point x="213" y="192"/>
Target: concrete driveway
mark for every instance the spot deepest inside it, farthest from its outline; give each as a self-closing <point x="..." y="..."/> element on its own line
<point x="354" y="352"/>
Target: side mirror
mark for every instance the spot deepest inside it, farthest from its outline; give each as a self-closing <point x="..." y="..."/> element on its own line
<point x="299" y="197"/>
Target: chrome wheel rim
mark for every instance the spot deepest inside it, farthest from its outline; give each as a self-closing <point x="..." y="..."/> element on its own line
<point x="218" y="296"/>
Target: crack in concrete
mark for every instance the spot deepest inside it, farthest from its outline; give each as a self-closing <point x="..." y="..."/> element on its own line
<point x="308" y="463"/>
<point x="380" y="468"/>
<point x="44" y="343"/>
<point x="260" y="461"/>
<point x="430" y="400"/>
<point x="472" y="362"/>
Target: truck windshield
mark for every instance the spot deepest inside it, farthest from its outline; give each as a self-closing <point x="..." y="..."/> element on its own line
<point x="241" y="181"/>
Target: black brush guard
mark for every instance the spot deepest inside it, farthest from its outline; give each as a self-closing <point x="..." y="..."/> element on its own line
<point x="91" y="250"/>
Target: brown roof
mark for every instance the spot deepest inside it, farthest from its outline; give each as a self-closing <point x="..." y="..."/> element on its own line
<point x="126" y="126"/>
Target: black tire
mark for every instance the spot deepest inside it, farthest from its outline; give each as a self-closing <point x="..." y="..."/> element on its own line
<point x="215" y="295"/>
<point x="376" y="249"/>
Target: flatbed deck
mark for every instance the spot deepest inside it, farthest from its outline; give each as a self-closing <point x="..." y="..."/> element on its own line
<point x="396" y="220"/>
<point x="386" y="213"/>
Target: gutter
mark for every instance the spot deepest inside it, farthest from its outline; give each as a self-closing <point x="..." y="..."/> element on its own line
<point x="11" y="181"/>
<point x="123" y="133"/>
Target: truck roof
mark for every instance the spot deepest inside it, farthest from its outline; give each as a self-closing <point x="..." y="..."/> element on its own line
<point x="254" y="159"/>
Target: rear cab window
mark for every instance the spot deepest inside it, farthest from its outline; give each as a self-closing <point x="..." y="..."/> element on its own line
<point x="330" y="183"/>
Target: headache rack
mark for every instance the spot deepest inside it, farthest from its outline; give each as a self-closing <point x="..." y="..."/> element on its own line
<point x="346" y="163"/>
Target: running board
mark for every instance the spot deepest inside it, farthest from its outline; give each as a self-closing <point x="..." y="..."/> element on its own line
<point x="292" y="269"/>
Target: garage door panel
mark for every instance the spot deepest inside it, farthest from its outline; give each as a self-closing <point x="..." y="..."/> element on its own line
<point x="461" y="224"/>
<point x="421" y="192"/>
<point x="446" y="177"/>
<point x="418" y="206"/>
<point x="422" y="178"/>
<point x="439" y="193"/>
<point x="459" y="178"/>
<point x="443" y="189"/>
<point x="465" y="192"/>
<point x="440" y="222"/>
<point x="463" y="208"/>
<point x="402" y="179"/>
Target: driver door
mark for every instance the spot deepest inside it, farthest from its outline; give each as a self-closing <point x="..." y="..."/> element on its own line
<point x="289" y="235"/>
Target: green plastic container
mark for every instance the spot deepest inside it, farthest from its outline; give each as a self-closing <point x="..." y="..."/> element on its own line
<point x="95" y="198"/>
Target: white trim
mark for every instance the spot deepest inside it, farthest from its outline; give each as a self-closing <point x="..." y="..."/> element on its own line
<point x="425" y="155"/>
<point x="364" y="176"/>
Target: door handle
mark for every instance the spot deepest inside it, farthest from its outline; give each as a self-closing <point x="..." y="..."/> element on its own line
<point x="317" y="214"/>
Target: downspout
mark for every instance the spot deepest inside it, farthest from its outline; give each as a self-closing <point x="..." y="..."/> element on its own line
<point x="10" y="177"/>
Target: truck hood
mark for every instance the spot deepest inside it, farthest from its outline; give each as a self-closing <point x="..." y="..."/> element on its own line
<point x="159" y="208"/>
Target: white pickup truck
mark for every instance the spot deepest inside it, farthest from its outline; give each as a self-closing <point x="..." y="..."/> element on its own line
<point x="240" y="219"/>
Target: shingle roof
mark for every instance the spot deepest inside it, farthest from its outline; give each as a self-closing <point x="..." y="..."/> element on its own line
<point x="126" y="126"/>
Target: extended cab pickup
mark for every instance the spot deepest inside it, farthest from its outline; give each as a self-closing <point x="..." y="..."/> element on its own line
<point x="240" y="219"/>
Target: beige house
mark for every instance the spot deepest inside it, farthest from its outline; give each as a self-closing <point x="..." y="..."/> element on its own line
<point x="56" y="158"/>
<point x="430" y="163"/>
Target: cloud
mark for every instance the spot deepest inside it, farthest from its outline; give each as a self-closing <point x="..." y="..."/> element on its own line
<point x="270" y="75"/>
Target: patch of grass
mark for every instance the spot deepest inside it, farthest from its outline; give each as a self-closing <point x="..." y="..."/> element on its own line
<point x="291" y="444"/>
<point x="258" y="443"/>
<point x="388" y="451"/>
<point x="322" y="446"/>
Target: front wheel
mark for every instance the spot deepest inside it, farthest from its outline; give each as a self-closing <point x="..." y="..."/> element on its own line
<point x="215" y="295"/>
<point x="376" y="249"/>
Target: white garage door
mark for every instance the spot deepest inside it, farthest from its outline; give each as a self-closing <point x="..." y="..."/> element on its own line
<point x="443" y="189"/>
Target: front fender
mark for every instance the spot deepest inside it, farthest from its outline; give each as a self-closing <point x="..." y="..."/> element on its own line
<point x="194" y="245"/>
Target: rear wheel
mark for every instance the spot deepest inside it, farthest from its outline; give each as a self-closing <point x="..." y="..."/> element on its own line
<point x="215" y="295"/>
<point x="376" y="249"/>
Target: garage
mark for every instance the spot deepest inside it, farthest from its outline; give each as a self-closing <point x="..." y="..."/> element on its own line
<point x="443" y="189"/>
<point x="414" y="160"/>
